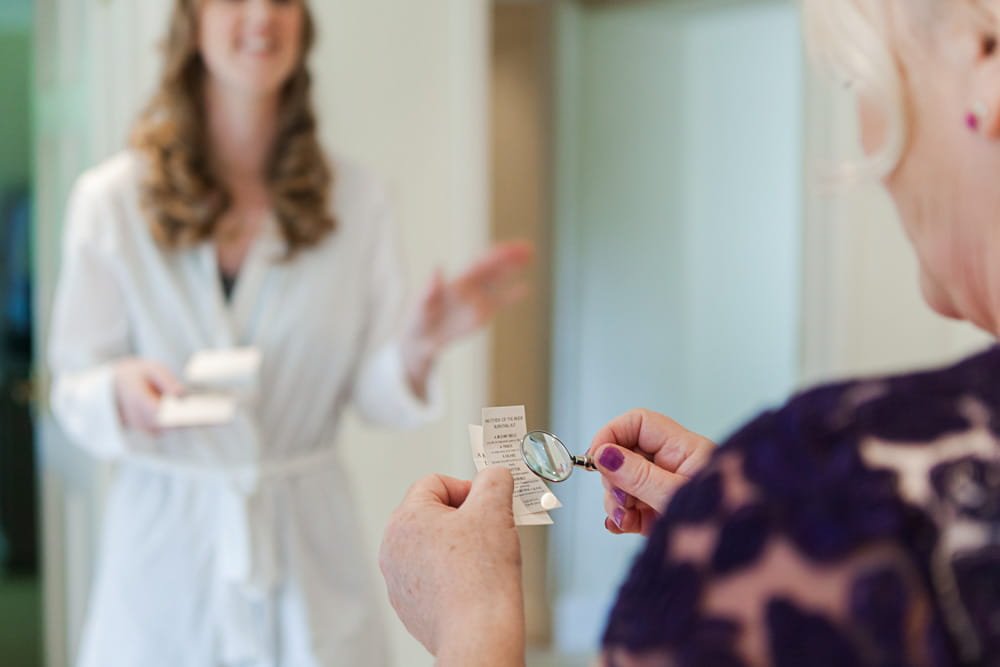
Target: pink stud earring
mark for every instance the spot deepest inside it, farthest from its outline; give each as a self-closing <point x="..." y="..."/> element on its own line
<point x="974" y="119"/>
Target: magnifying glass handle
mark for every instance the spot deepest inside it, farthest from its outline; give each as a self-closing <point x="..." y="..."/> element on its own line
<point x="584" y="462"/>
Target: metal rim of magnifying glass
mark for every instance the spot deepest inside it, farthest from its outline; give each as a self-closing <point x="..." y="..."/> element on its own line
<point x="524" y="456"/>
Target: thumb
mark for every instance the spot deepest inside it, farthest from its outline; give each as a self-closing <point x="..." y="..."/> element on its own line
<point x="638" y="476"/>
<point x="435" y="288"/>
<point x="164" y="380"/>
<point x="492" y="489"/>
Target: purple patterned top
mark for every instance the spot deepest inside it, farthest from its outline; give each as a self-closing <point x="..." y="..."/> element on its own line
<point x="857" y="525"/>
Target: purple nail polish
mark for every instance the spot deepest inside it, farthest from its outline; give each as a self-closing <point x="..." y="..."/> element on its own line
<point x="620" y="496"/>
<point x="611" y="459"/>
<point x="972" y="121"/>
<point x="618" y="517"/>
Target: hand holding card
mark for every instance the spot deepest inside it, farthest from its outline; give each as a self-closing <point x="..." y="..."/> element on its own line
<point x="220" y="378"/>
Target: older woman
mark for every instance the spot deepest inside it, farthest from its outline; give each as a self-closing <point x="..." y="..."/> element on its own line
<point x="857" y="525"/>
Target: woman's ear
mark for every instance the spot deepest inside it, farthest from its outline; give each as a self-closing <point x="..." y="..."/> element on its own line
<point x="983" y="103"/>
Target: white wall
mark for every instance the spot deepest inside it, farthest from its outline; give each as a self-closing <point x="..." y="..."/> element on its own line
<point x="862" y="308"/>
<point x="677" y="241"/>
<point x="401" y="87"/>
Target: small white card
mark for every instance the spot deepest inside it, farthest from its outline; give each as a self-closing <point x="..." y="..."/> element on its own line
<point x="195" y="410"/>
<point x="227" y="367"/>
<point x="521" y="516"/>
<point x="498" y="442"/>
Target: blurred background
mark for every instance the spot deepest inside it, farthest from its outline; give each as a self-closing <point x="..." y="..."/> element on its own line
<point x="671" y="159"/>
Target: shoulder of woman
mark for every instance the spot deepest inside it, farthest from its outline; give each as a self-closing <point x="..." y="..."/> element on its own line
<point x="913" y="408"/>
<point x="105" y="197"/>
<point x="115" y="176"/>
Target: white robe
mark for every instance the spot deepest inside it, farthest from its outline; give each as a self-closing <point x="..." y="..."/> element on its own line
<point x="239" y="544"/>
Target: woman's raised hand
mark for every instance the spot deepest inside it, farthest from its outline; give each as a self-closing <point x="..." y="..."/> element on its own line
<point x="643" y="457"/>
<point x="450" y="310"/>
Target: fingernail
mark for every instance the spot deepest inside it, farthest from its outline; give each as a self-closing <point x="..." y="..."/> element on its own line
<point x="611" y="458"/>
<point x="620" y="496"/>
<point x="618" y="517"/>
<point x="608" y="524"/>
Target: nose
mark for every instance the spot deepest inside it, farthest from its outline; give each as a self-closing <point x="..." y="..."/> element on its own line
<point x="259" y="12"/>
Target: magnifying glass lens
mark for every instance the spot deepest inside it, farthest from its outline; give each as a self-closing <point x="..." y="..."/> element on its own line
<point x="547" y="456"/>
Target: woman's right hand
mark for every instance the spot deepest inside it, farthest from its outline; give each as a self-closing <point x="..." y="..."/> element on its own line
<point x="643" y="458"/>
<point x="139" y="386"/>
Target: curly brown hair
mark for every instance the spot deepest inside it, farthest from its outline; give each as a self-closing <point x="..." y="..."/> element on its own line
<point x="181" y="195"/>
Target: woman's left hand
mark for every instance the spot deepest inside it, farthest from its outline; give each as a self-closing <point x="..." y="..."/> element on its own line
<point x="643" y="458"/>
<point x="452" y="310"/>
<point x="451" y="560"/>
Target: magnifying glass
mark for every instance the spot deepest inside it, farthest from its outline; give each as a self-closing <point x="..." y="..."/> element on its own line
<point x="546" y="456"/>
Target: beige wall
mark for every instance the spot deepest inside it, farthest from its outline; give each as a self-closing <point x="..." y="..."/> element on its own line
<point x="521" y="115"/>
<point x="402" y="87"/>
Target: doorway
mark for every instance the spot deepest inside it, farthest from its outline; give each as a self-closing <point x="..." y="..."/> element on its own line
<point x="654" y="149"/>
<point x="678" y="187"/>
<point x="20" y="586"/>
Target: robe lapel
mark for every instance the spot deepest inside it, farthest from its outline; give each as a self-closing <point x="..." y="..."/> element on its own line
<point x="215" y="316"/>
<point x="255" y="283"/>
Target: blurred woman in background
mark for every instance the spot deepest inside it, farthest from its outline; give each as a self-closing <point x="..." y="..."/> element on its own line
<point x="226" y="224"/>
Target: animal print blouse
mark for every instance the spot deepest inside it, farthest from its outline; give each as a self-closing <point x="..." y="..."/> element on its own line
<point x="857" y="525"/>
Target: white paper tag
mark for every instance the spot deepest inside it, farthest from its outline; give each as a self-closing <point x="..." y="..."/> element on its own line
<point x="498" y="442"/>
<point x="195" y="410"/>
<point x="524" y="518"/>
<point x="228" y="367"/>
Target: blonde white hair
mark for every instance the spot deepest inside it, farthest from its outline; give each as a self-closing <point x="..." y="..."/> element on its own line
<point x="853" y="38"/>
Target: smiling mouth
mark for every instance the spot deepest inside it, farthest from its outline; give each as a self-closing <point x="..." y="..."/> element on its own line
<point x="259" y="46"/>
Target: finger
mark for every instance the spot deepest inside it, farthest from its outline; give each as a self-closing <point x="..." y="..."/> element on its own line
<point x="615" y="497"/>
<point x="627" y="520"/>
<point x="610" y="488"/>
<point x="438" y="490"/>
<point x="636" y="475"/>
<point x="657" y="435"/>
<point x="163" y="380"/>
<point x="146" y="406"/>
<point x="517" y="250"/>
<point x="435" y="293"/>
<point x="686" y="456"/>
<point x="626" y="517"/>
<point x="143" y="397"/>
<point x="648" y="518"/>
<point x="495" y="301"/>
<point x="510" y="295"/>
<point x="492" y="488"/>
<point x="635" y="427"/>
<point x="503" y="258"/>
<point x="610" y="526"/>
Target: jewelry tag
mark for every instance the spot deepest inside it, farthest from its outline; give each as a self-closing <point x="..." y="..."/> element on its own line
<point x="195" y="410"/>
<point x="498" y="442"/>
<point x="224" y="368"/>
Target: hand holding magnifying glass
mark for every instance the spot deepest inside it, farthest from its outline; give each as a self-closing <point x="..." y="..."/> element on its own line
<point x="655" y="456"/>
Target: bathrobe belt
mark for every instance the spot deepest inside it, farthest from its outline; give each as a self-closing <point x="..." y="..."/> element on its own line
<point x="248" y="558"/>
